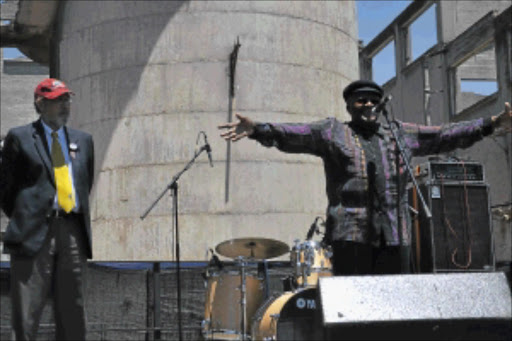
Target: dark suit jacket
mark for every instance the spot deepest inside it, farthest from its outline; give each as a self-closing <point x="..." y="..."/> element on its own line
<point x="27" y="185"/>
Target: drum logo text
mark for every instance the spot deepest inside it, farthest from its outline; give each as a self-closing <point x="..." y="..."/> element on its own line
<point x="306" y="304"/>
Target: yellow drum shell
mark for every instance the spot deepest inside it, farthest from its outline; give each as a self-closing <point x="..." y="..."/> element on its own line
<point x="292" y="315"/>
<point x="310" y="260"/>
<point x="264" y="325"/>
<point x="223" y="310"/>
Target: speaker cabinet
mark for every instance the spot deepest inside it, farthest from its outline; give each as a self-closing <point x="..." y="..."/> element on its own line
<point x="458" y="237"/>
<point x="442" y="306"/>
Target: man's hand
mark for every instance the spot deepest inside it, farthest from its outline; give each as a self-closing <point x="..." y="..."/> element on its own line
<point x="237" y="130"/>
<point x="503" y="121"/>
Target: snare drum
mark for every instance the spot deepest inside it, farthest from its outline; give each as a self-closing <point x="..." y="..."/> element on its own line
<point x="293" y="315"/>
<point x="310" y="261"/>
<point x="223" y="309"/>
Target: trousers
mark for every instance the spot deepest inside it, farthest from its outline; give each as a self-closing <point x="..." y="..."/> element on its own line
<point x="56" y="271"/>
<point x="351" y="258"/>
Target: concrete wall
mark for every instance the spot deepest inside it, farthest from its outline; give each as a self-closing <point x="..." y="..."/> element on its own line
<point x="150" y="75"/>
<point x="458" y="15"/>
<point x="18" y="79"/>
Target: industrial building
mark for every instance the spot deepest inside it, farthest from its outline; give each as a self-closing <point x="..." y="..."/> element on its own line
<point x="150" y="76"/>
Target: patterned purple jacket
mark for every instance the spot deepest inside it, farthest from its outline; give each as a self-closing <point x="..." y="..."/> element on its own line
<point x="345" y="153"/>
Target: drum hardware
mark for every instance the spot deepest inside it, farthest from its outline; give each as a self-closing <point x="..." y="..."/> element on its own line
<point x="243" y="300"/>
<point x="205" y="325"/>
<point x="263" y="272"/>
<point x="216" y="261"/>
<point x="289" y="282"/>
<point x="274" y="318"/>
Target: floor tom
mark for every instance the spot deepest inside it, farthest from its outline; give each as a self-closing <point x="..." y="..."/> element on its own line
<point x="223" y="303"/>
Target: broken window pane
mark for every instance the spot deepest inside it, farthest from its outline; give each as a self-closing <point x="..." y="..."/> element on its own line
<point x="475" y="78"/>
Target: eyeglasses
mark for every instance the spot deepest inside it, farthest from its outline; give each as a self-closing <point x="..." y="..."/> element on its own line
<point x="364" y="100"/>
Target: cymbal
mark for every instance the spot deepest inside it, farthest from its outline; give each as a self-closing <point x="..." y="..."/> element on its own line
<point x="256" y="248"/>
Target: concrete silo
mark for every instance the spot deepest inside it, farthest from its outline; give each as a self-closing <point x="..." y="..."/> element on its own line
<point x="150" y="75"/>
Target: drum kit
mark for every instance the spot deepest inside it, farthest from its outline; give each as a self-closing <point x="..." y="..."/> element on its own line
<point x="238" y="305"/>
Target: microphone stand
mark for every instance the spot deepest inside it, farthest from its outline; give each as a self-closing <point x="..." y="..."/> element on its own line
<point x="400" y="150"/>
<point x="173" y="186"/>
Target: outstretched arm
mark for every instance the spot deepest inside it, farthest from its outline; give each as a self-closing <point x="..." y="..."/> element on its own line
<point x="503" y="121"/>
<point x="237" y="130"/>
<point x="311" y="138"/>
<point x="427" y="140"/>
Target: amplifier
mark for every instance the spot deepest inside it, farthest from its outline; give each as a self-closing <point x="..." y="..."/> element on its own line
<point x="458" y="237"/>
<point x="450" y="171"/>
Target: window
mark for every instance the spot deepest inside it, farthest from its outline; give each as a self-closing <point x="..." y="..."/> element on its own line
<point x="383" y="64"/>
<point x="11" y="53"/>
<point x="475" y="78"/>
<point x="423" y="32"/>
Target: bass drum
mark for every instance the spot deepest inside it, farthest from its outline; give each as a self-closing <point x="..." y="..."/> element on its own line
<point x="292" y="315"/>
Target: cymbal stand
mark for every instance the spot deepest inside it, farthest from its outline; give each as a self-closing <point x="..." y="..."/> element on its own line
<point x="243" y="300"/>
<point x="299" y="268"/>
<point x="304" y="265"/>
<point x="309" y="255"/>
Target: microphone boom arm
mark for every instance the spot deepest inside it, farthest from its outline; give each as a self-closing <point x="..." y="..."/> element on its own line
<point x="173" y="181"/>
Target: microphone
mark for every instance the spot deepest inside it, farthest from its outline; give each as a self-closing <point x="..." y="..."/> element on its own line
<point x="312" y="230"/>
<point x="208" y="149"/>
<point x="379" y="107"/>
<point x="216" y="260"/>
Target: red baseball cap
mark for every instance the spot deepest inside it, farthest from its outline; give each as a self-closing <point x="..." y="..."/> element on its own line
<point x="52" y="88"/>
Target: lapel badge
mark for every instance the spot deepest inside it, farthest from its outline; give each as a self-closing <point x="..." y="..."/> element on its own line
<point x="73" y="148"/>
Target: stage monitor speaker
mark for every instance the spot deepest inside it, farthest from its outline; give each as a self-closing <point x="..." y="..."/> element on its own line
<point x="454" y="306"/>
<point x="458" y="237"/>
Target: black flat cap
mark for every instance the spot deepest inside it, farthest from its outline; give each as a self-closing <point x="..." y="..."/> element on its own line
<point x="362" y="86"/>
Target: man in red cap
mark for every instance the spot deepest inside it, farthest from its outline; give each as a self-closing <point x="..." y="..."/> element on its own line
<point x="362" y="223"/>
<point x="46" y="175"/>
